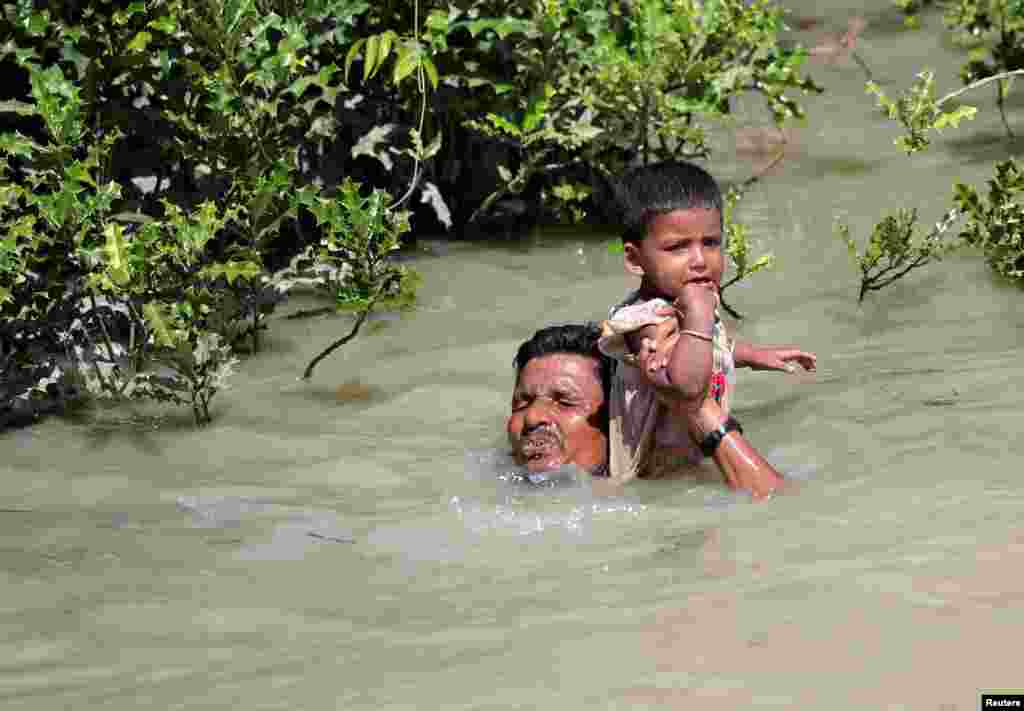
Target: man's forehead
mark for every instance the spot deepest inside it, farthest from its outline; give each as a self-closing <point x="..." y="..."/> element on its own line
<point x="560" y="370"/>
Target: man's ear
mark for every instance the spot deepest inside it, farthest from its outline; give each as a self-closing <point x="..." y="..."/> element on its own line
<point x="631" y="253"/>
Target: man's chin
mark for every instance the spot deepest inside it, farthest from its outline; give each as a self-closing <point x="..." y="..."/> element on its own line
<point x="536" y="465"/>
<point x="540" y="461"/>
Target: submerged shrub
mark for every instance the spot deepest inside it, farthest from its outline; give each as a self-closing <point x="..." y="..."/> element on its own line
<point x="995" y="223"/>
<point x="894" y="250"/>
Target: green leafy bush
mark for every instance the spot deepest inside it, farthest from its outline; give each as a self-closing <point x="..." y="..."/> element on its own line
<point x="130" y="299"/>
<point x="995" y="223"/>
<point x="599" y="84"/>
<point x="993" y="33"/>
<point x="893" y="250"/>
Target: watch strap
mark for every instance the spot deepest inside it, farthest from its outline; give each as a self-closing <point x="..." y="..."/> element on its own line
<point x="714" y="438"/>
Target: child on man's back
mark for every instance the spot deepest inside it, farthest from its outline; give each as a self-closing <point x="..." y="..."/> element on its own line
<point x="668" y="332"/>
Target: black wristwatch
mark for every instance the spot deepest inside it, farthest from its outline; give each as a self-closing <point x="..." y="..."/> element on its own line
<point x="714" y="438"/>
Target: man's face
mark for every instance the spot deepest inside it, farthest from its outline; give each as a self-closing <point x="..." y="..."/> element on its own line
<point x="555" y="416"/>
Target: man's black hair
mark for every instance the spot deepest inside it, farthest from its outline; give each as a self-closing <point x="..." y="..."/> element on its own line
<point x="574" y="339"/>
<point x="660" y="188"/>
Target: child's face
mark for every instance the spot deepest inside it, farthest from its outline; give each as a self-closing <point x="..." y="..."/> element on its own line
<point x="679" y="247"/>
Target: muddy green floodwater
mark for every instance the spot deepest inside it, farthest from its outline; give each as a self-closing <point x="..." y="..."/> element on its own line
<point x="308" y="551"/>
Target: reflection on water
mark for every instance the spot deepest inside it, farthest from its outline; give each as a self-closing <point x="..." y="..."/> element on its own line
<point x="295" y="531"/>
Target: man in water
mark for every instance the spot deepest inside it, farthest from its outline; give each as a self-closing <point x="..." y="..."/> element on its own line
<point x="560" y="413"/>
<point x="559" y="405"/>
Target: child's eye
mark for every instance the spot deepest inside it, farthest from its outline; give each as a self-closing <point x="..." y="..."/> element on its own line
<point x="712" y="241"/>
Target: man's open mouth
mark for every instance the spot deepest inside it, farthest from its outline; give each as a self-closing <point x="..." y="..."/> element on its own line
<point x="540" y="446"/>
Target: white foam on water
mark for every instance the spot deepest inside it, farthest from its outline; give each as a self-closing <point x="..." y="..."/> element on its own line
<point x="504" y="497"/>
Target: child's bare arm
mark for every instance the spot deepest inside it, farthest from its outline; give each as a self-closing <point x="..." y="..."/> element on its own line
<point x="682" y="362"/>
<point x="760" y="357"/>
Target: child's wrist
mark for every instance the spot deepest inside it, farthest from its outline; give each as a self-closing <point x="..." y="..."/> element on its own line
<point x="704" y="323"/>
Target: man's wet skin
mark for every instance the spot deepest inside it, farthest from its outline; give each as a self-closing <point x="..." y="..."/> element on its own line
<point x="556" y="413"/>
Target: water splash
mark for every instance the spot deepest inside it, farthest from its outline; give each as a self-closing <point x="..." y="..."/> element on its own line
<point x="503" y="497"/>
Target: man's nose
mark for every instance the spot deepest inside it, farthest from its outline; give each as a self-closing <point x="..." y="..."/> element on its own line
<point x="538" y="413"/>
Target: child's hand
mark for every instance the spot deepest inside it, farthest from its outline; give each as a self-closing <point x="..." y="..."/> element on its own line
<point x="698" y="299"/>
<point x="655" y="348"/>
<point x="784" y="358"/>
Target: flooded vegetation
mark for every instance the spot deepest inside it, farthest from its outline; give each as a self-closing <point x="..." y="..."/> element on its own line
<point x="361" y="539"/>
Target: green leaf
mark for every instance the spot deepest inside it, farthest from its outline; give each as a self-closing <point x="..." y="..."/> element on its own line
<point x="438" y="21"/>
<point x="953" y="118"/>
<point x="245" y="270"/>
<point x="535" y="113"/>
<point x="37" y="23"/>
<point x="122" y="17"/>
<point x="139" y="42"/>
<point x="116" y="255"/>
<point x="353" y="52"/>
<point x="155" y="320"/>
<point x="321" y="79"/>
<point x="235" y="12"/>
<point x="17" y="145"/>
<point x="431" y="70"/>
<point x="168" y="24"/>
<point x="370" y="56"/>
<point x="79" y="174"/>
<point x="433" y="147"/>
<point x="406" y="62"/>
<point x="387" y="39"/>
<point x="504" y="124"/>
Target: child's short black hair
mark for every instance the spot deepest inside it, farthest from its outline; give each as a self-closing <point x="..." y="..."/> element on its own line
<point x="660" y="188"/>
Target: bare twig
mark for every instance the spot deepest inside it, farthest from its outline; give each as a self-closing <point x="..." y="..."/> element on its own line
<point x="307" y="313"/>
<point x="978" y="84"/>
<point x="1000" y="96"/>
<point x="355" y="327"/>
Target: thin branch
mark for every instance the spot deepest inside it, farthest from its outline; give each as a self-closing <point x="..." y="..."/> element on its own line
<point x="103" y="328"/>
<point x="730" y="310"/>
<point x="421" y="84"/>
<point x="978" y="84"/>
<point x="561" y="166"/>
<point x="764" y="171"/>
<point x="488" y="201"/>
<point x="307" y="313"/>
<point x="863" y="65"/>
<point x="1002" y="109"/>
<point x="355" y="328"/>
